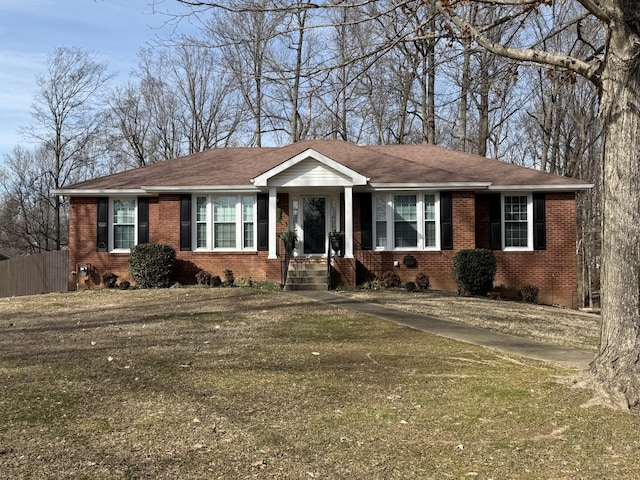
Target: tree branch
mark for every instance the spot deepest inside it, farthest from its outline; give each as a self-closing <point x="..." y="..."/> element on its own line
<point x="526" y="55"/>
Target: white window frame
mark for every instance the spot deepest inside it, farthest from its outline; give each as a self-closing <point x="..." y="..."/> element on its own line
<point x="112" y="236"/>
<point x="420" y="216"/>
<point x="529" y="246"/>
<point x="239" y="223"/>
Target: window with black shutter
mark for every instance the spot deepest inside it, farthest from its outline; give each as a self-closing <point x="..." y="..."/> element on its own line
<point x="102" y="236"/>
<point x="185" y="222"/>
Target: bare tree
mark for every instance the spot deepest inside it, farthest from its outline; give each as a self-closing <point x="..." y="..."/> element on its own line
<point x="67" y="117"/>
<point x="29" y="212"/>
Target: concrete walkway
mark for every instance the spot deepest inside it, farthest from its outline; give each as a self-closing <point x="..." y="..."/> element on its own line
<point x="563" y="356"/>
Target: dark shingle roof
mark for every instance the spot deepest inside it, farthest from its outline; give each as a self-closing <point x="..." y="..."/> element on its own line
<point x="387" y="164"/>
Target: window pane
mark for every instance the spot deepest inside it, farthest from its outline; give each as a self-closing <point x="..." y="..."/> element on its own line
<point x="430" y="207"/>
<point x="381" y="207"/>
<point x="124" y="211"/>
<point x="224" y="209"/>
<point x="247" y="209"/>
<point x="405" y="207"/>
<point x="381" y="234"/>
<point x="124" y="236"/>
<point x="405" y="215"/>
<point x="515" y="209"/>
<point x="515" y="234"/>
<point x="406" y="234"/>
<point x="201" y="209"/>
<point x="248" y="235"/>
<point x="430" y="234"/>
<point x="201" y="235"/>
<point x="225" y="235"/>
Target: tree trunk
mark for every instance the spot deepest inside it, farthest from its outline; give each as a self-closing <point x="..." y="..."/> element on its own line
<point x="617" y="367"/>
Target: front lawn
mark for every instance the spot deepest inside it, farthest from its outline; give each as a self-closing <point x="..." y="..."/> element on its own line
<point x="236" y="383"/>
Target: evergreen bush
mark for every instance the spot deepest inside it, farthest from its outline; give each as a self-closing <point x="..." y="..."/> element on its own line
<point x="474" y="271"/>
<point x="151" y="264"/>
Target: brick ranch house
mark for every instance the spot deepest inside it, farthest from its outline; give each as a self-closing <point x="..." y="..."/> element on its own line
<point x="405" y="208"/>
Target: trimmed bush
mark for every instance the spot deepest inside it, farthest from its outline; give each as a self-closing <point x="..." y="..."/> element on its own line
<point x="216" y="281"/>
<point x="529" y="293"/>
<point x="151" y="264"/>
<point x="109" y="279"/>
<point x="411" y="286"/>
<point x="474" y="271"/>
<point x="203" y="278"/>
<point x="391" y="279"/>
<point x="422" y="281"/>
<point x="124" y="285"/>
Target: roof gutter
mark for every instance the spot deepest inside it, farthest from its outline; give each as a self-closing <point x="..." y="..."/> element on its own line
<point x="543" y="188"/>
<point x="95" y="192"/>
<point x="422" y="186"/>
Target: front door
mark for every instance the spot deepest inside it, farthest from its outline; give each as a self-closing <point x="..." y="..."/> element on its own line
<point x="314" y="224"/>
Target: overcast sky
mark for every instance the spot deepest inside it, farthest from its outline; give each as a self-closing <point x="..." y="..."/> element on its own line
<point x="30" y="29"/>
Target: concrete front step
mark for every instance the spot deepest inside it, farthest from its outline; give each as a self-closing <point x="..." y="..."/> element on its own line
<point x="306" y="286"/>
<point x="306" y="275"/>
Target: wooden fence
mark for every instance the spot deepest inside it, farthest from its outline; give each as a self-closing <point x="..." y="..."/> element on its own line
<point x="34" y="274"/>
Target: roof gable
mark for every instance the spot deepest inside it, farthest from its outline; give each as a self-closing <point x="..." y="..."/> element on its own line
<point x="309" y="168"/>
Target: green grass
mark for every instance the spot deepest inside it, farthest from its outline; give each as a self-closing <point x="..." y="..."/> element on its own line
<point x="241" y="383"/>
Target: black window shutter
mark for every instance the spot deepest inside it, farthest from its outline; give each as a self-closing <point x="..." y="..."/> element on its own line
<point x="102" y="235"/>
<point x="495" y="221"/>
<point x="263" y="221"/>
<point x="539" y="222"/>
<point x="143" y="220"/>
<point x="185" y="222"/>
<point x="446" y="221"/>
<point x="366" y="223"/>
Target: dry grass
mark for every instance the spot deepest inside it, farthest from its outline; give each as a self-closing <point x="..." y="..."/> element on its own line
<point x="236" y="383"/>
<point x="541" y="322"/>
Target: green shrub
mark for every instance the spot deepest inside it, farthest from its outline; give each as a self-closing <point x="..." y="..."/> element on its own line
<point x="151" y="264"/>
<point x="391" y="279"/>
<point x="124" y="285"/>
<point x="216" y="281"/>
<point x="529" y="293"/>
<point x="411" y="286"/>
<point x="109" y="279"/>
<point x="203" y="278"/>
<point x="474" y="271"/>
<point x="422" y="281"/>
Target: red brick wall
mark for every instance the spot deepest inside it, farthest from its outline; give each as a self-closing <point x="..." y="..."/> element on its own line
<point x="552" y="270"/>
<point x="164" y="221"/>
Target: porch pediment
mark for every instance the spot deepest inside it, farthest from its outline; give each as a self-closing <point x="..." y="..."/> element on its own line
<point x="310" y="169"/>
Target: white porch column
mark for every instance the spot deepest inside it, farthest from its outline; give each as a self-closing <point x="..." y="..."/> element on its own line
<point x="273" y="217"/>
<point x="348" y="222"/>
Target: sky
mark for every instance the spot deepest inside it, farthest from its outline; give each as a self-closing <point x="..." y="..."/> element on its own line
<point x="114" y="30"/>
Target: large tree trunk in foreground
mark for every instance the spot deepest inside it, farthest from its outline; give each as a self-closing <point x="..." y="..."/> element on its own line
<point x="616" y="369"/>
